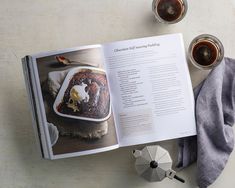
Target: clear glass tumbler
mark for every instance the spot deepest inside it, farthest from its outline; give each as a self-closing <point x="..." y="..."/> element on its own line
<point x="206" y="51"/>
<point x="169" y="11"/>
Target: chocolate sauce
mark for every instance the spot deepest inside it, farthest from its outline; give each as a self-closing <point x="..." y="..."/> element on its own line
<point x="205" y="53"/>
<point x="170" y="10"/>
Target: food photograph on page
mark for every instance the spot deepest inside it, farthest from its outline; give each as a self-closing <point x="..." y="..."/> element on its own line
<point x="77" y="101"/>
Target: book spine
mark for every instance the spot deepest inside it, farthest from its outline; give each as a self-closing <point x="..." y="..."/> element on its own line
<point x="38" y="130"/>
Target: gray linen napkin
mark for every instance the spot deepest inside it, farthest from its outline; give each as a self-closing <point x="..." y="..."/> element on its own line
<point x="215" y="116"/>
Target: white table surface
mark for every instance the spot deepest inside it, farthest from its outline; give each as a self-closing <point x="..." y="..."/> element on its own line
<point x="28" y="27"/>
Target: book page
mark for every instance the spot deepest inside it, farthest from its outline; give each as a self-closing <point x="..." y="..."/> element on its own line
<point x="75" y="103"/>
<point x="150" y="88"/>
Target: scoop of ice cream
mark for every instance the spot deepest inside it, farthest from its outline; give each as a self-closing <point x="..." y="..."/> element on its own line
<point x="78" y="94"/>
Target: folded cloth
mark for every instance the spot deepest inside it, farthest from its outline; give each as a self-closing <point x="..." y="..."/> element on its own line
<point x="55" y="80"/>
<point x="215" y="116"/>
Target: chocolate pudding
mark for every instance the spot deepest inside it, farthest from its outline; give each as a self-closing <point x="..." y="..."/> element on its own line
<point x="87" y="95"/>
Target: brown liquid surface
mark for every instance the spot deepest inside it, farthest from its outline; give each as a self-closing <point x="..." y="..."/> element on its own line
<point x="205" y="53"/>
<point x="170" y="10"/>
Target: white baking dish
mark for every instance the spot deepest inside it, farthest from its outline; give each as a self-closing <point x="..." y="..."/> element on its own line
<point x="65" y="85"/>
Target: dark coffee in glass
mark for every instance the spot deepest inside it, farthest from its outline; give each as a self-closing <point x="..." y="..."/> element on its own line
<point x="206" y="51"/>
<point x="169" y="11"/>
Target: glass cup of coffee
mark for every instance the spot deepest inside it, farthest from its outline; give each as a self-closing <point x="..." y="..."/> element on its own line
<point x="169" y="11"/>
<point x="206" y="51"/>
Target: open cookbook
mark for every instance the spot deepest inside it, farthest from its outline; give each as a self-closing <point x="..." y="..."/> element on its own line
<point x="97" y="98"/>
